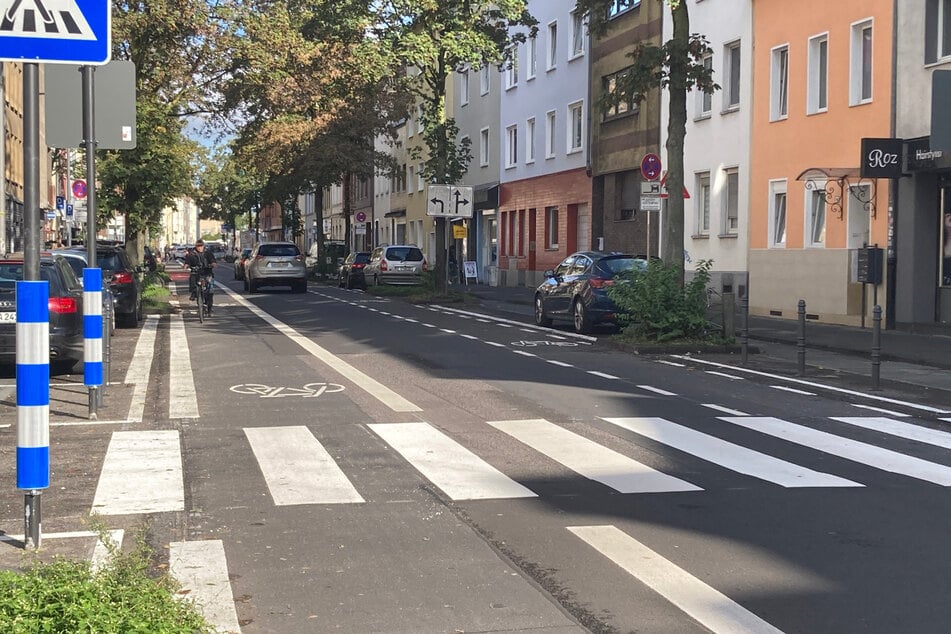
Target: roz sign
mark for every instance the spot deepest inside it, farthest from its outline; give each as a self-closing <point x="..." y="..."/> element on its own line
<point x="881" y="158"/>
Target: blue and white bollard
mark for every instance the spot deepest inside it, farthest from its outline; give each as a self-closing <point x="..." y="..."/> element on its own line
<point x="92" y="335"/>
<point x="33" y="401"/>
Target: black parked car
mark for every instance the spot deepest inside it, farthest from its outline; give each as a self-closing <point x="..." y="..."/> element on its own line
<point x="65" y="308"/>
<point x="351" y="271"/>
<point x="123" y="279"/>
<point x="577" y="289"/>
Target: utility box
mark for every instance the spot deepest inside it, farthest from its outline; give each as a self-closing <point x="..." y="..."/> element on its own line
<point x="869" y="261"/>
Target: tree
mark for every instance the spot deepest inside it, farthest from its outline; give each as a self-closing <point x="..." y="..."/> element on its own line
<point x="433" y="38"/>
<point x="676" y="66"/>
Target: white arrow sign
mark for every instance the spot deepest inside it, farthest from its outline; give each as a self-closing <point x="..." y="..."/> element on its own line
<point x="449" y="201"/>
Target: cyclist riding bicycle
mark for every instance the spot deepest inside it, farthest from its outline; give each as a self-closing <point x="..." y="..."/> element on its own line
<point x="202" y="263"/>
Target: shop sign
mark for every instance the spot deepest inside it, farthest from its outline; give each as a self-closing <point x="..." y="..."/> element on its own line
<point x="881" y="158"/>
<point x="920" y="157"/>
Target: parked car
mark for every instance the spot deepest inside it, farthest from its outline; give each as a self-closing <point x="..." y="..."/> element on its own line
<point x="77" y="261"/>
<point x="65" y="310"/>
<point x="395" y="264"/>
<point x="240" y="263"/>
<point x="123" y="279"/>
<point x="576" y="289"/>
<point x="351" y="271"/>
<point x="276" y="264"/>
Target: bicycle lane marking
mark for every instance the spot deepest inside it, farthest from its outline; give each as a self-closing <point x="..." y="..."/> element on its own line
<point x="371" y="386"/>
<point x="182" y="399"/>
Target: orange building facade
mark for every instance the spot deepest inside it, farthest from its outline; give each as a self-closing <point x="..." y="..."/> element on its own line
<point x="822" y="81"/>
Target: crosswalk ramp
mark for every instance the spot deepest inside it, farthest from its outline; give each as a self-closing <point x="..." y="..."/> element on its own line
<point x="142" y="470"/>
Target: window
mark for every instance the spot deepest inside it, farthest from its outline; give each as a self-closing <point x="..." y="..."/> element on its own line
<point x="484" y="81"/>
<point x="617" y="106"/>
<point x="464" y="87"/>
<point x="860" y="67"/>
<point x="731" y="202"/>
<point x="550" y="135"/>
<point x="484" y="147"/>
<point x="511" y="71"/>
<point x="575" y="127"/>
<point x="731" y="75"/>
<point x="620" y="6"/>
<point x="703" y="204"/>
<point x="511" y="146"/>
<point x="777" y="213"/>
<point x="532" y="58"/>
<point x="419" y="177"/>
<point x="552" y="45"/>
<point x="816" y="215"/>
<point x="411" y="176"/>
<point x="530" y="140"/>
<point x="577" y="35"/>
<point x="937" y="30"/>
<point x="817" y="98"/>
<point x="551" y="227"/>
<point x="779" y="83"/>
<point x="705" y="99"/>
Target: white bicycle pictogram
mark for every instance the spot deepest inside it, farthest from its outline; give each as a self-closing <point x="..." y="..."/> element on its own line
<point x="311" y="390"/>
<point x="544" y="342"/>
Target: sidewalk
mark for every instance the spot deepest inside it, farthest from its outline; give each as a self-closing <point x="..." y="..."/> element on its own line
<point x="918" y="360"/>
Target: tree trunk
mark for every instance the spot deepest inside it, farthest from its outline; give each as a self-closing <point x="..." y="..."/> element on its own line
<point x="676" y="132"/>
<point x="347" y="208"/>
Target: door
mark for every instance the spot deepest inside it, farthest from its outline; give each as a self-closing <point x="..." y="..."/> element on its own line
<point x="558" y="288"/>
<point x="859" y="198"/>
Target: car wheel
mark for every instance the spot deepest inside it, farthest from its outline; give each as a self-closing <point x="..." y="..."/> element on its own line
<point x="541" y="319"/>
<point x="126" y="320"/>
<point x="582" y="321"/>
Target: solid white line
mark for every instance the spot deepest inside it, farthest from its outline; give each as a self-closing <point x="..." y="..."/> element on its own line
<point x="925" y="435"/>
<point x="297" y="468"/>
<point x="496" y="344"/>
<point x="603" y="375"/>
<point x="140" y="368"/>
<point x="10" y="537"/>
<point x="458" y="472"/>
<point x="465" y="336"/>
<point x="880" y="409"/>
<point x="101" y="551"/>
<point x="505" y="326"/>
<point x="590" y="459"/>
<point x="656" y="390"/>
<point x="524" y="354"/>
<point x="872" y="397"/>
<point x="371" y="386"/>
<point x="202" y="570"/>
<point x="182" y="399"/>
<point x="853" y="450"/>
<point x="673" y="363"/>
<point x="725" y="375"/>
<point x="448" y="331"/>
<point x="429" y="325"/>
<point x="947" y="420"/>
<point x="725" y="410"/>
<point x="713" y="610"/>
<point x="73" y="423"/>
<point x="501" y="321"/>
<point x="142" y="473"/>
<point x="559" y="363"/>
<point x="728" y="455"/>
<point x="792" y="389"/>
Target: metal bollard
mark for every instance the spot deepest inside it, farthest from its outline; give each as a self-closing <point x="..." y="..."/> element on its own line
<point x="107" y="348"/>
<point x="728" y="308"/>
<point x="745" y="333"/>
<point x="876" y="345"/>
<point x="801" y="341"/>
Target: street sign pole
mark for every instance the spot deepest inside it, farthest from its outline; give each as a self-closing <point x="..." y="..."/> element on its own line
<point x="89" y="141"/>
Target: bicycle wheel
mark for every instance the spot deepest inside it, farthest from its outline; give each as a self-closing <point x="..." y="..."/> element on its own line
<point x="200" y="303"/>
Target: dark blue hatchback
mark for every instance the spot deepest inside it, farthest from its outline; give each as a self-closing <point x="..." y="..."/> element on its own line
<point x="576" y="290"/>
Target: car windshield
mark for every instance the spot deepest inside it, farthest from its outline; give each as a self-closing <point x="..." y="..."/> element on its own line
<point x="622" y="264"/>
<point x="404" y="254"/>
<point x="11" y="273"/>
<point x="245" y="253"/>
<point x="362" y="257"/>
<point x="278" y="249"/>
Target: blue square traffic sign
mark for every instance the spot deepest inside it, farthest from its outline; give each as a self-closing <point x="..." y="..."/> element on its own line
<point x="56" y="31"/>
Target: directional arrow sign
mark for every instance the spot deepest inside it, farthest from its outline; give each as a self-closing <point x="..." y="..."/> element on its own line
<point x="56" y="31"/>
<point x="449" y="201"/>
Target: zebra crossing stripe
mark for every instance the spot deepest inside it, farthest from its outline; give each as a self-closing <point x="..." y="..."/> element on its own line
<point x="712" y="609"/>
<point x="897" y="428"/>
<point x="202" y="569"/>
<point x="142" y="473"/>
<point x="458" y="472"/>
<point x="853" y="450"/>
<point x="590" y="459"/>
<point x="297" y="468"/>
<point x="729" y="455"/>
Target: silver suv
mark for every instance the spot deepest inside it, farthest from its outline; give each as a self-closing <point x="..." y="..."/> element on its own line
<point x="395" y="264"/>
<point x="275" y="264"/>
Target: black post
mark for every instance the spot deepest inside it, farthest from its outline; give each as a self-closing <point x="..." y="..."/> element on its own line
<point x="801" y="342"/>
<point x="745" y="333"/>
<point x="876" y="345"/>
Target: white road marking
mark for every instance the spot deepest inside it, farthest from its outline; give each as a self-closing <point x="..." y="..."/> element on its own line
<point x="297" y="468"/>
<point x="448" y="331"/>
<point x="371" y="386"/>
<point x="729" y="455"/>
<point x="673" y="363"/>
<point x="590" y="459"/>
<point x="853" y="450"/>
<point x="182" y="399"/>
<point x="524" y="354"/>
<point x="202" y="570"/>
<point x="508" y="323"/>
<point x="917" y="433"/>
<point x="140" y="368"/>
<point x="496" y="344"/>
<point x="792" y="389"/>
<point x="713" y="610"/>
<point x="725" y="410"/>
<point x="656" y="390"/>
<point x="429" y="325"/>
<point x="880" y="410"/>
<point x="458" y="472"/>
<point x="141" y="473"/>
<point x="725" y="375"/>
<point x="465" y="336"/>
<point x="559" y="363"/>
<point x="603" y="375"/>
<point x="484" y="321"/>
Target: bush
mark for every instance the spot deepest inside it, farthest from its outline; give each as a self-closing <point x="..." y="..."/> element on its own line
<point x="656" y="308"/>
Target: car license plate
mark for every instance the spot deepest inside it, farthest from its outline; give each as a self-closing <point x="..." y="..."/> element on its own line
<point x="278" y="265"/>
<point x="404" y="268"/>
<point x="8" y="317"/>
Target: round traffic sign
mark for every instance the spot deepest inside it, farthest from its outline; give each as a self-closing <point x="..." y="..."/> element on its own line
<point x="651" y="167"/>
<point x="79" y="188"/>
<point x="361" y="217"/>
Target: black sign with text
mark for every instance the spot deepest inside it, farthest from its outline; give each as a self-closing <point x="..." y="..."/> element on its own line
<point x="881" y="158"/>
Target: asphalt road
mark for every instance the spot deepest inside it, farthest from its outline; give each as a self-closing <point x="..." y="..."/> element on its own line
<point x="367" y="465"/>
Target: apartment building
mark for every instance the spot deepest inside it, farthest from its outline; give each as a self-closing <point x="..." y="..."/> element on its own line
<point x="717" y="145"/>
<point x="416" y="227"/>
<point x="384" y="184"/>
<point x="821" y="82"/>
<point x="545" y="193"/>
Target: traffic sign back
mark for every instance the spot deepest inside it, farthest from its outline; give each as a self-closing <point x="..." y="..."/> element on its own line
<point x="56" y="31"/>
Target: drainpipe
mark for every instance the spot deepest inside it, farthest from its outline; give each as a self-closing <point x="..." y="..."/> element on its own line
<point x="892" y="248"/>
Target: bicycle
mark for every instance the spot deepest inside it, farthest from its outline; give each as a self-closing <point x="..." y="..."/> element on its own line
<point x="204" y="287"/>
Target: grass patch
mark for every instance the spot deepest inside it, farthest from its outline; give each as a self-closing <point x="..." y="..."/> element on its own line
<point x="155" y="293"/>
<point x="423" y="293"/>
<point x="68" y="596"/>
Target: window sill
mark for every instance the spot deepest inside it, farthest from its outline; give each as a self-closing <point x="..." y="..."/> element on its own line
<point x="510" y="167"/>
<point x="483" y="94"/>
<point x="512" y="87"/>
<point x="575" y="56"/>
<point x="815" y="112"/>
<point x="777" y="119"/>
<point x="702" y="116"/>
<point x="778" y="245"/>
<point x="530" y="162"/>
<point x="528" y="79"/>
<point x="700" y="236"/>
<point x="553" y="247"/>
<point x="574" y="151"/>
<point x="483" y="164"/>
<point x="551" y="68"/>
<point x="621" y="117"/>
<point x="728" y="236"/>
<point x="864" y="102"/>
<point x="730" y="109"/>
<point x="549" y="157"/>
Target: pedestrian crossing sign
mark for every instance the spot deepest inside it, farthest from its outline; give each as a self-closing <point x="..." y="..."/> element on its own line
<point x="55" y="31"/>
